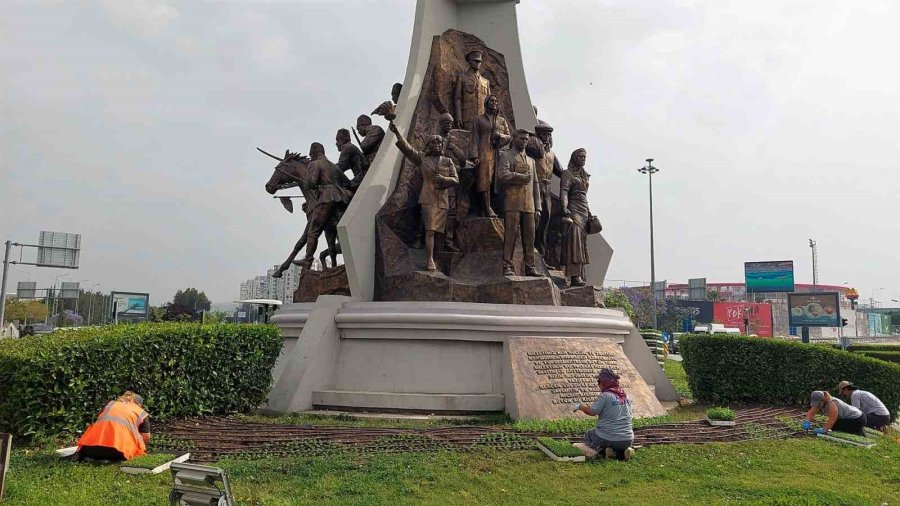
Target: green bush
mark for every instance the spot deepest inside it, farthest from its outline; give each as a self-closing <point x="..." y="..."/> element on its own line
<point x="720" y="414"/>
<point x="888" y="356"/>
<point x="874" y="347"/>
<point x="57" y="383"/>
<point x="725" y="369"/>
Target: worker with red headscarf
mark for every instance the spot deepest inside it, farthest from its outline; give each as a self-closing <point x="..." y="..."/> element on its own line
<point x="613" y="436"/>
<point x="121" y="431"/>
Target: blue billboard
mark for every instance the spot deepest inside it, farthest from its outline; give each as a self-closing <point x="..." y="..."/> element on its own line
<point x="777" y="276"/>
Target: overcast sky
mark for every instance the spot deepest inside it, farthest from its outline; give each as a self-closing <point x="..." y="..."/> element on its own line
<point x="134" y="124"/>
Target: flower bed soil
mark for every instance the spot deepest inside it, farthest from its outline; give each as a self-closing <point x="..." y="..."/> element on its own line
<point x="213" y="438"/>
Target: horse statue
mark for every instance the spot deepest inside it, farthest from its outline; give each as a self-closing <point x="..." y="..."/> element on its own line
<point x="292" y="171"/>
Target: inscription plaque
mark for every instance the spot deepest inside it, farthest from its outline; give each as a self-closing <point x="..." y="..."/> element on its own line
<point x="551" y="374"/>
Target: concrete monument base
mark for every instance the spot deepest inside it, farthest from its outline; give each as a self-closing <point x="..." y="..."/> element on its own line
<point x="450" y="357"/>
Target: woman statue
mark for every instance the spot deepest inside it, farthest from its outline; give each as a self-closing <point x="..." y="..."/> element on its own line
<point x="573" y="189"/>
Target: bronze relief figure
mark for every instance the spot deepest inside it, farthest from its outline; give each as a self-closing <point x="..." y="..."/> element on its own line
<point x="573" y="199"/>
<point x="521" y="200"/>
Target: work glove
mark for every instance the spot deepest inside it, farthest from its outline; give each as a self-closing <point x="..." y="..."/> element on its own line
<point x="820" y="431"/>
<point x="806" y="425"/>
<point x="576" y="407"/>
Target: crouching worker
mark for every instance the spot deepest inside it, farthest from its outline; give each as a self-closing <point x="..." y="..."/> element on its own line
<point x="121" y="431"/>
<point x="841" y="416"/>
<point x="613" y="435"/>
<point x="877" y="415"/>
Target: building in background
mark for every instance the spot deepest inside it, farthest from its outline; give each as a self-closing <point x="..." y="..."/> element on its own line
<point x="269" y="287"/>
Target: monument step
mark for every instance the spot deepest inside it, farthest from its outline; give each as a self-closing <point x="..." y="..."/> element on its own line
<point x="422" y="402"/>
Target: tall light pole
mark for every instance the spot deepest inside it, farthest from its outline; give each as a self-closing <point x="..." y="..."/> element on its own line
<point x="91" y="305"/>
<point x="815" y="260"/>
<point x="650" y="170"/>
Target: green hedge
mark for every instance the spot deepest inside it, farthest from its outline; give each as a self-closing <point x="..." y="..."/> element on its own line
<point x="724" y="369"/>
<point x="874" y="347"/>
<point x="57" y="383"/>
<point x="888" y="356"/>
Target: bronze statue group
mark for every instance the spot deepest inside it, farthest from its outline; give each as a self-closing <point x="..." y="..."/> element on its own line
<point x="517" y="166"/>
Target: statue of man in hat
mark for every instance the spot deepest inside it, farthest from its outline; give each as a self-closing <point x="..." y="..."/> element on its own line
<point x="333" y="195"/>
<point x="516" y="175"/>
<point x="438" y="176"/>
<point x="471" y="90"/>
<point x="372" y="137"/>
<point x="351" y="158"/>
<point x="546" y="167"/>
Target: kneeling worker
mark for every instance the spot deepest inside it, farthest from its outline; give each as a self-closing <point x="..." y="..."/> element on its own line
<point x="121" y="431"/>
<point x="877" y="415"/>
<point x="613" y="435"/>
<point x="841" y="416"/>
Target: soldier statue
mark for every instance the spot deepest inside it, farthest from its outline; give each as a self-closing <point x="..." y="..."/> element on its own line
<point x="372" y="137"/>
<point x="351" y="158"/>
<point x="517" y="178"/>
<point x="470" y="91"/>
<point x="333" y="195"/>
<point x="546" y="166"/>
<point x="438" y="176"/>
<point x="489" y="134"/>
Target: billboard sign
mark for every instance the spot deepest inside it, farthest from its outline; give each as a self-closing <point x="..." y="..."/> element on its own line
<point x="819" y="309"/>
<point x="129" y="305"/>
<point x="26" y="289"/>
<point x="734" y="314"/>
<point x="775" y="276"/>
<point x="58" y="249"/>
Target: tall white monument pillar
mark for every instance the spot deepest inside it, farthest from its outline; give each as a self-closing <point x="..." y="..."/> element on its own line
<point x="493" y="21"/>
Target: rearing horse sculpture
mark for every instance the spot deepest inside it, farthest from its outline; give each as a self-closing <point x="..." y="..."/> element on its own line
<point x="292" y="171"/>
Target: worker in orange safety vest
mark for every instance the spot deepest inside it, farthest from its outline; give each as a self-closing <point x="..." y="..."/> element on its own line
<point x="121" y="431"/>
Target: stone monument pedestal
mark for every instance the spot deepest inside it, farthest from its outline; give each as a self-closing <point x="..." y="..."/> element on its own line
<point x="442" y="357"/>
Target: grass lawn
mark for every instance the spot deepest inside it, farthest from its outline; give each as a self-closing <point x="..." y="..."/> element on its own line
<point x="798" y="471"/>
<point x="675" y="372"/>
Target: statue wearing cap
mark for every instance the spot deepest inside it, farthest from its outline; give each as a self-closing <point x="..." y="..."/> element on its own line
<point x="470" y="91"/>
<point x="546" y="165"/>
<point x="455" y="193"/>
<point x="332" y="194"/>
<point x="372" y="137"/>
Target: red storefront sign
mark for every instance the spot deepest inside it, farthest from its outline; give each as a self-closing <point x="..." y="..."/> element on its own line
<point x="732" y="314"/>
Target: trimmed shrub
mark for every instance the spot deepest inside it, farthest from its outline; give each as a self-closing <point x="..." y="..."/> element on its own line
<point x="874" y="347"/>
<point x="725" y="369"/>
<point x="57" y="383"/>
<point x="888" y="356"/>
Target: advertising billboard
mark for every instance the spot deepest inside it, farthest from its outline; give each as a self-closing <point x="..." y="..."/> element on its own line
<point x="814" y="309"/>
<point x="777" y="276"/>
<point x="733" y="314"/>
<point x="129" y="306"/>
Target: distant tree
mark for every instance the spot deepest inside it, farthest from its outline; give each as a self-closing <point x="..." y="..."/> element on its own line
<point x="188" y="304"/>
<point x="25" y="310"/>
<point x="213" y="317"/>
<point x="157" y="313"/>
<point x="714" y="296"/>
<point x="616" y="298"/>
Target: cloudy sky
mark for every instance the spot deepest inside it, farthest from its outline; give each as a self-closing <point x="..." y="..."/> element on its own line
<point x="134" y="124"/>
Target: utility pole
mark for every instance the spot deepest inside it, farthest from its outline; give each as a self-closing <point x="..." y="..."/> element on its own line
<point x="3" y="283"/>
<point x="650" y="170"/>
<point x="815" y="265"/>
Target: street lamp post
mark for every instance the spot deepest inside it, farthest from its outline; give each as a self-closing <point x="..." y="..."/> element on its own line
<point x="91" y="305"/>
<point x="650" y="170"/>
